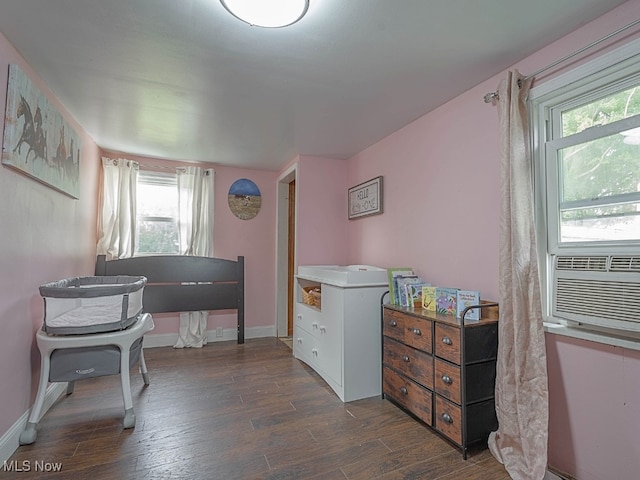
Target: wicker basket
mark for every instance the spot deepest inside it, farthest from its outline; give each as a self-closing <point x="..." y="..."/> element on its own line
<point x="317" y="297"/>
<point x="311" y="296"/>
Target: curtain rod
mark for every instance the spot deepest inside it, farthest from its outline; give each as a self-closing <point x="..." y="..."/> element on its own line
<point x="153" y="166"/>
<point x="490" y="97"/>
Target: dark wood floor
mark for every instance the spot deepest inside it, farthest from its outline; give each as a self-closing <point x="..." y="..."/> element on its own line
<point x="231" y="411"/>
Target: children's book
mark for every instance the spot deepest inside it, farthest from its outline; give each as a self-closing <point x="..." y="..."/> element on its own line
<point x="392" y="273"/>
<point x="429" y="298"/>
<point x="446" y="299"/>
<point x="466" y="298"/>
<point x="414" y="294"/>
<point x="401" y="287"/>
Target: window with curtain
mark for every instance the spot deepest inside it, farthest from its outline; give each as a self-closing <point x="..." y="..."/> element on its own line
<point x="157" y="214"/>
<point x="586" y="132"/>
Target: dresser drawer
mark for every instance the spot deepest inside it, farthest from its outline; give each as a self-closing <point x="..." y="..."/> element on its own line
<point x="447" y="343"/>
<point x="448" y="419"/>
<point x="416" y="365"/>
<point x="446" y="380"/>
<point x="409" y="395"/>
<point x="408" y="329"/>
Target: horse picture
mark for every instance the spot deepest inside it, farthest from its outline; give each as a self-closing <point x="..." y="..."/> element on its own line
<point x="37" y="139"/>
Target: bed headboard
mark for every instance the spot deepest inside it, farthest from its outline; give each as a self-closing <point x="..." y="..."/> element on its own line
<point x="177" y="283"/>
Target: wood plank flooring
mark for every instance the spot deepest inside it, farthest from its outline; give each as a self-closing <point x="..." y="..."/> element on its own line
<point x="228" y="412"/>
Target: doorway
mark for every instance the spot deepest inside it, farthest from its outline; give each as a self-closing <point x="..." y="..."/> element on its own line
<point x="286" y="252"/>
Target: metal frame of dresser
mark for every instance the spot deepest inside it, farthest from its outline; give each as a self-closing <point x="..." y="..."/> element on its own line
<point x="464" y="445"/>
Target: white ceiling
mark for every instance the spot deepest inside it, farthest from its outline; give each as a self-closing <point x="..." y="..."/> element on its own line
<point x="184" y="80"/>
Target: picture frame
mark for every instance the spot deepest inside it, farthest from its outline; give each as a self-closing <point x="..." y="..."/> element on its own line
<point x="37" y="140"/>
<point x="365" y="199"/>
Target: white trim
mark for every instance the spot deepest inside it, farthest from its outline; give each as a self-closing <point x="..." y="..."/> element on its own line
<point x="551" y="476"/>
<point x="607" y="60"/>
<point x="590" y="334"/>
<point x="10" y="441"/>
<point x="169" y="339"/>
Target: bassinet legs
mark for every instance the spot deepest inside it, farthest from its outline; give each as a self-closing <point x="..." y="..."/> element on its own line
<point x="123" y="339"/>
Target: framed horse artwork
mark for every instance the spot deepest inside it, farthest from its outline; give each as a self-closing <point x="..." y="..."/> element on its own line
<point x="37" y="140"/>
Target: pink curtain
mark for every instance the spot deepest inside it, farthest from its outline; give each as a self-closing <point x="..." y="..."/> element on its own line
<point x="520" y="443"/>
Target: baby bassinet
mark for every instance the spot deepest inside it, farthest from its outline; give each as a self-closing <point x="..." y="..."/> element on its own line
<point x="92" y="304"/>
<point x="93" y="326"/>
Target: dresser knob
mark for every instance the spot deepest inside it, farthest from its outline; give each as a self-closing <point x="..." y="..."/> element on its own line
<point x="447" y="418"/>
<point x="404" y="390"/>
<point x="393" y="323"/>
<point x="417" y="331"/>
<point x="447" y="341"/>
<point x="405" y="358"/>
<point x="447" y="379"/>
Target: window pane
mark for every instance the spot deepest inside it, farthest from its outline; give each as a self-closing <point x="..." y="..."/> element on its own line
<point x="157" y="200"/>
<point x="157" y="206"/>
<point x="599" y="168"/>
<point x="157" y="237"/>
<point x="620" y="222"/>
<point x="599" y="185"/>
<point x="600" y="112"/>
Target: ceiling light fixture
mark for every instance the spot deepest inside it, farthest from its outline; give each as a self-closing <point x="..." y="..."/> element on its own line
<point x="267" y="13"/>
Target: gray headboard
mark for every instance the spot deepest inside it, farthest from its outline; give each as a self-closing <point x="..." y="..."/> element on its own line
<point x="178" y="283"/>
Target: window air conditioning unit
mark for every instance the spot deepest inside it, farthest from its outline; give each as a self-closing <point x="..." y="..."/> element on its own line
<point x="598" y="290"/>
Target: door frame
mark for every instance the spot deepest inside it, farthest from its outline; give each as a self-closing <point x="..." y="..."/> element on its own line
<point x="282" y="248"/>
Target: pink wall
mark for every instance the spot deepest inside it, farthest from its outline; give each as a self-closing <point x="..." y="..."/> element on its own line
<point x="46" y="236"/>
<point x="441" y="201"/>
<point x="255" y="239"/>
<point x="594" y="390"/>
<point x="440" y="198"/>
<point x="322" y="211"/>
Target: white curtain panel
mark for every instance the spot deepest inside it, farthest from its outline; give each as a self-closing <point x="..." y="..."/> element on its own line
<point x="195" y="225"/>
<point x="521" y="372"/>
<point x="118" y="210"/>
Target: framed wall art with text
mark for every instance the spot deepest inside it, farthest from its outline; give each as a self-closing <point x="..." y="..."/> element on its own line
<point x="365" y="199"/>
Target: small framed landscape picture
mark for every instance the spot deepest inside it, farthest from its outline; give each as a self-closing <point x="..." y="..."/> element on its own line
<point x="365" y="199"/>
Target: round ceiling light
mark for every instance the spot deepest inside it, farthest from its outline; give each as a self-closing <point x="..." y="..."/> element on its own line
<point x="267" y="13"/>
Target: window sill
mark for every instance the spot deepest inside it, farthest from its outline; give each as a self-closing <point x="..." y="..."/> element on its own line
<point x="631" y="342"/>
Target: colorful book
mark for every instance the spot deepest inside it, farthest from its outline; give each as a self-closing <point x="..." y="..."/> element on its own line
<point x="401" y="287"/>
<point x="392" y="273"/>
<point x="414" y="294"/>
<point x="466" y="298"/>
<point x="446" y="299"/>
<point x="429" y="298"/>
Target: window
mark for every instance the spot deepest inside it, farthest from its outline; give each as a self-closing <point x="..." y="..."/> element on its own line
<point x="157" y="214"/>
<point x="586" y="144"/>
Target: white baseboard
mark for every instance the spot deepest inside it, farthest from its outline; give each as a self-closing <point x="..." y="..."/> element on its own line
<point x="169" y="339"/>
<point x="10" y="441"/>
<point x="551" y="476"/>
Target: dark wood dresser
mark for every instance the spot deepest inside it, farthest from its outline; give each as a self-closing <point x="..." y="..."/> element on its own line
<point x="441" y="371"/>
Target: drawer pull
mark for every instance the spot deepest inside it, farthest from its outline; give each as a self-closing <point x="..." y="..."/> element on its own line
<point x="323" y="328"/>
<point x="405" y="358"/>
<point x="404" y="390"/>
<point x="393" y="323"/>
<point x="447" y="341"/>
<point x="447" y="418"/>
<point x="314" y="351"/>
<point x="314" y="324"/>
<point x="417" y="331"/>
<point x="447" y="379"/>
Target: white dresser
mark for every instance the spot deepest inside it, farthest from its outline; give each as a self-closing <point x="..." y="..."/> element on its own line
<point x="341" y="338"/>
